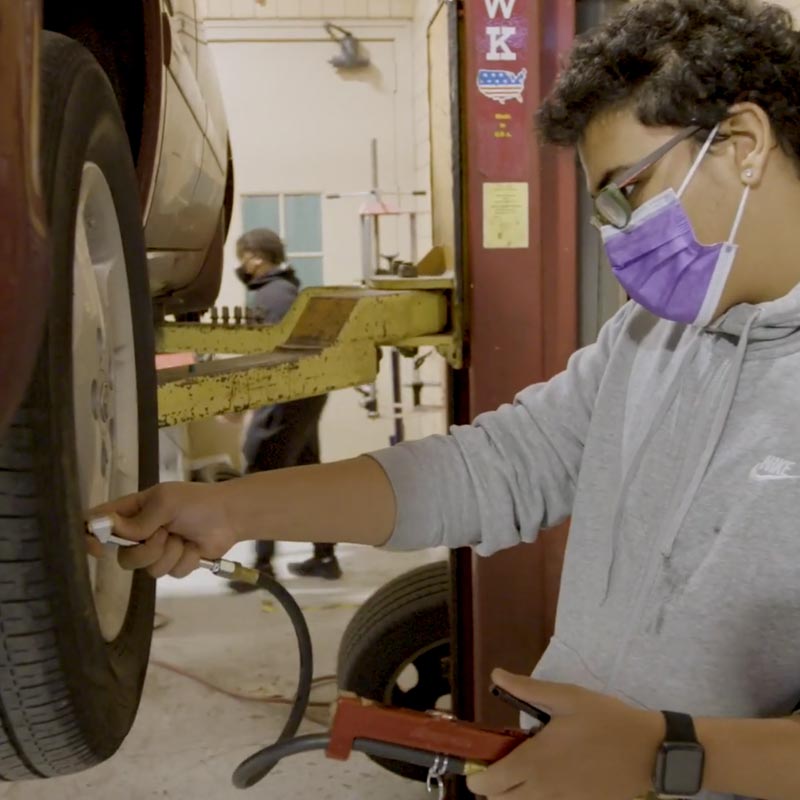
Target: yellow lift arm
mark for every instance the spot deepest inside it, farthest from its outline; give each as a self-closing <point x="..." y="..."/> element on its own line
<point x="329" y="340"/>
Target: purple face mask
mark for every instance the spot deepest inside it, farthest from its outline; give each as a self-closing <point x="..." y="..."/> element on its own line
<point x="661" y="265"/>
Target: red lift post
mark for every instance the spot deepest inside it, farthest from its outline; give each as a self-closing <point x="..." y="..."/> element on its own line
<point x="521" y="293"/>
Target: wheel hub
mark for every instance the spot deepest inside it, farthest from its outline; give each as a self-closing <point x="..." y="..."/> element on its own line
<point x="104" y="380"/>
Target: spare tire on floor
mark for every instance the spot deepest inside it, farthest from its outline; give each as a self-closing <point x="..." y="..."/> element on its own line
<point x="74" y="635"/>
<point x="396" y="649"/>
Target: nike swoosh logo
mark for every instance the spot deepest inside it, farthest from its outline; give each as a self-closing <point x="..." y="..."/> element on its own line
<point x="757" y="475"/>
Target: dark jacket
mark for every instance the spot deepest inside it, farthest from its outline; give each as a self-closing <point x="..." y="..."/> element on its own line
<point x="282" y="435"/>
<point x="272" y="295"/>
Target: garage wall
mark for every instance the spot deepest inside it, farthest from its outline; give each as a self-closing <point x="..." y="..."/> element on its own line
<point x="298" y="126"/>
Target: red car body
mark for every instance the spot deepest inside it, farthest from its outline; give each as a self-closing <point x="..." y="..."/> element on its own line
<point x="156" y="57"/>
<point x="24" y="266"/>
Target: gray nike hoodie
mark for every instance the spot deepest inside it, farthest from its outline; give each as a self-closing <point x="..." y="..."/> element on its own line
<point x="675" y="449"/>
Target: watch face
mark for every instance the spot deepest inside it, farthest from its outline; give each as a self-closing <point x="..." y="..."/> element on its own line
<point x="680" y="768"/>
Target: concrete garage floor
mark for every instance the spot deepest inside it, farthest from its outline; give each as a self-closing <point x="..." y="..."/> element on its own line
<point x="188" y="739"/>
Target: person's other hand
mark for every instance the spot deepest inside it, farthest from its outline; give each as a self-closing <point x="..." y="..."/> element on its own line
<point x="176" y="523"/>
<point x="594" y="748"/>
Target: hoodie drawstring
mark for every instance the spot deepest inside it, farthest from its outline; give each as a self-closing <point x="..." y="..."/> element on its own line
<point x="676" y="520"/>
<point x="717" y="427"/>
<point x="633" y="467"/>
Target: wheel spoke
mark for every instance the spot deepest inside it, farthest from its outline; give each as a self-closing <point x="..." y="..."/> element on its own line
<point x="433" y="680"/>
<point x="88" y="313"/>
<point x="102" y="276"/>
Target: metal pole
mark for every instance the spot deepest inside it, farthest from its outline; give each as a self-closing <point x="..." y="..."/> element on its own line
<point x="367" y="248"/>
<point x="397" y="399"/>
<point x="376" y="220"/>
<point x="374" y="156"/>
<point x="397" y="380"/>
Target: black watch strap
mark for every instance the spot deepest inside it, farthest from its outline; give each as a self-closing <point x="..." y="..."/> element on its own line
<point x="680" y="727"/>
<point x="680" y="760"/>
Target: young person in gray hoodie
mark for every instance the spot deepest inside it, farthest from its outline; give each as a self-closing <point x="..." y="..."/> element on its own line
<point x="673" y="441"/>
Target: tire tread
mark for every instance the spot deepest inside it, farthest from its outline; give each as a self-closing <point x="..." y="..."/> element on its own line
<point x="26" y="640"/>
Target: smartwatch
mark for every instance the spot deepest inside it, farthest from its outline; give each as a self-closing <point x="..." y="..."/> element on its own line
<point x="679" y="764"/>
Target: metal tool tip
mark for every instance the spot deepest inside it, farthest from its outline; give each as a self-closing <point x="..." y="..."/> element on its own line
<point x="101" y="528"/>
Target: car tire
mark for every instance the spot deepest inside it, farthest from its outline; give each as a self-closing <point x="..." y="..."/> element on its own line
<point x="396" y="649"/>
<point x="71" y="671"/>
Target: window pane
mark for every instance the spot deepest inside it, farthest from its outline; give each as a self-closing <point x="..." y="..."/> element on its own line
<point x="309" y="270"/>
<point x="303" y="223"/>
<point x="261" y="212"/>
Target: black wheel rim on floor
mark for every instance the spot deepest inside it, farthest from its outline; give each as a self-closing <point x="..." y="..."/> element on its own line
<point x="396" y="649"/>
<point x="423" y="682"/>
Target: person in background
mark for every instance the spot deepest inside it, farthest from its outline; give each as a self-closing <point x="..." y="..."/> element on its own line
<point x="286" y="434"/>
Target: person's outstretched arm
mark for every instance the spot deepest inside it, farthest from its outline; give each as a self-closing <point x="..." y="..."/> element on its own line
<point x="512" y="472"/>
<point x="180" y="523"/>
<point x="489" y="485"/>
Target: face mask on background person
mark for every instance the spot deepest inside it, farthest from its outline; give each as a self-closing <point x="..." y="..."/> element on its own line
<point x="243" y="275"/>
<point x="250" y="267"/>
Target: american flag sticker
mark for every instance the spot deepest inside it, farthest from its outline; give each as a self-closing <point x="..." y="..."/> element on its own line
<point x="502" y="84"/>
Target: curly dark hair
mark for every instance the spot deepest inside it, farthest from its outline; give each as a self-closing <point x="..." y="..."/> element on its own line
<point x="263" y="242"/>
<point x="677" y="62"/>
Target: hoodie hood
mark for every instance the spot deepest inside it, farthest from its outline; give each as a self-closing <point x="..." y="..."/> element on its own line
<point x="747" y="325"/>
<point x="776" y="319"/>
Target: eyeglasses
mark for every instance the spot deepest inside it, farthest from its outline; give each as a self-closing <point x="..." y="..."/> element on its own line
<point x="611" y="204"/>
